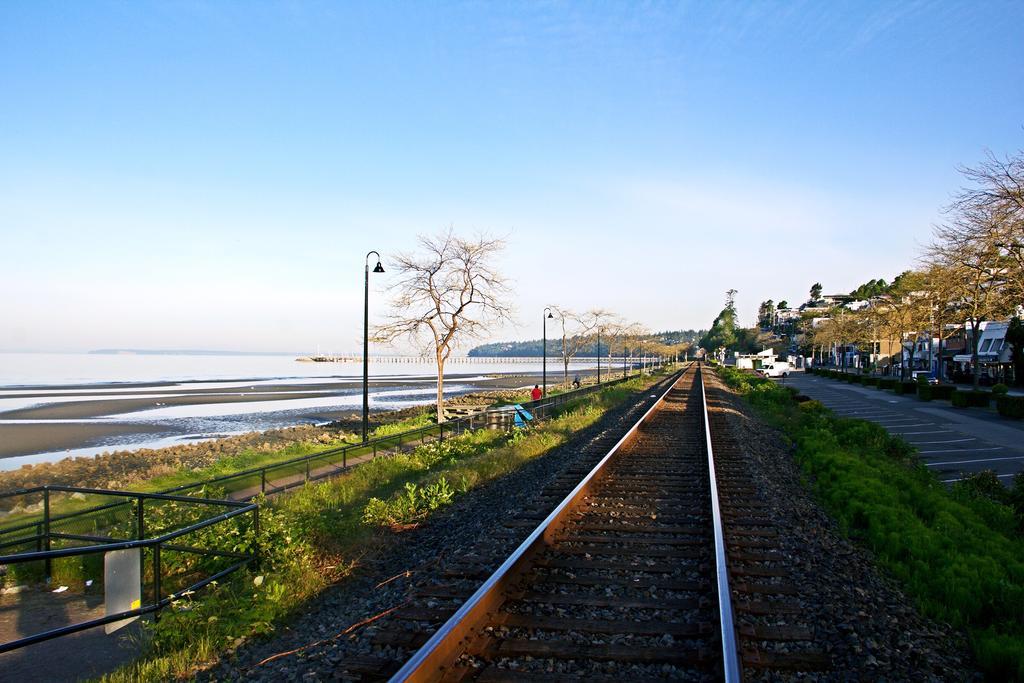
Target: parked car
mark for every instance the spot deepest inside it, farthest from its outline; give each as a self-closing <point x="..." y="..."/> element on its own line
<point x="777" y="369"/>
<point x="923" y="373"/>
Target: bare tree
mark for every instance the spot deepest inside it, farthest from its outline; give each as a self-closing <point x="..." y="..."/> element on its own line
<point x="622" y="337"/>
<point x="446" y="294"/>
<point x="578" y="331"/>
<point x="945" y="316"/>
<point x="991" y="210"/>
<point x="975" y="266"/>
<point x="906" y="311"/>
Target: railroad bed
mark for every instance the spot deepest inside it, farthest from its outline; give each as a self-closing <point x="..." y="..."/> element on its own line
<point x="622" y="579"/>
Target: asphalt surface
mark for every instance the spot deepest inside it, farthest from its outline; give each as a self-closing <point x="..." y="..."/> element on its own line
<point x="954" y="442"/>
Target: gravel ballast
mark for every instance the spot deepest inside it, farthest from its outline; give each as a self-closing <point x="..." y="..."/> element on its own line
<point x="414" y="562"/>
<point x="870" y="629"/>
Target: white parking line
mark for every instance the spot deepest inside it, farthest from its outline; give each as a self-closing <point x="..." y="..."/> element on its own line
<point x="962" y="450"/>
<point x="896" y="419"/>
<point x="919" y="424"/>
<point x="950" y="481"/>
<point x="866" y="413"/>
<point x="938" y="431"/>
<point x="967" y="462"/>
<point x="922" y="443"/>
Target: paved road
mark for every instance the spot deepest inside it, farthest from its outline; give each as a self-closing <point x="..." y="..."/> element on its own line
<point x="952" y="442"/>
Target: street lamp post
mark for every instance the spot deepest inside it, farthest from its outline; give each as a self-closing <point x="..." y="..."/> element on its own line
<point x="599" y="355"/>
<point x="366" y="340"/>
<point x="544" y="354"/>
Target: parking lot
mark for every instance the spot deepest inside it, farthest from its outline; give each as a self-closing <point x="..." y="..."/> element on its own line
<point x="952" y="442"/>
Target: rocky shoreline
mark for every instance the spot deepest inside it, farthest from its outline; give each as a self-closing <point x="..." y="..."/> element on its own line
<point x="125" y="469"/>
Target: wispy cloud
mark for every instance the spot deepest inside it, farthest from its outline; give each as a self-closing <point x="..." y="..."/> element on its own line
<point x="885" y="19"/>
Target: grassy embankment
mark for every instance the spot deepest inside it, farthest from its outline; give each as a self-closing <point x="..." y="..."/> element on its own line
<point x="314" y="536"/>
<point x="958" y="552"/>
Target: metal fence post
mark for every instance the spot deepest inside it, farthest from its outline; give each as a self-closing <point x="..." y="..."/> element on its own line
<point x="140" y="529"/>
<point x="307" y="469"/>
<point x="46" y="528"/>
<point x="156" y="581"/>
<point x="140" y="520"/>
<point x="263" y="481"/>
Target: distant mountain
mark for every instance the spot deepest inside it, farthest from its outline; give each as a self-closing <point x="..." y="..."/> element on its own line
<point x="534" y="347"/>
<point x="189" y="352"/>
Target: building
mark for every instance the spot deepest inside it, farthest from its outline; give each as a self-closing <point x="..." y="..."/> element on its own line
<point x="994" y="355"/>
<point x="753" y="361"/>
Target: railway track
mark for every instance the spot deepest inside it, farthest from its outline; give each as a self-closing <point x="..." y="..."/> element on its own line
<point x="659" y="564"/>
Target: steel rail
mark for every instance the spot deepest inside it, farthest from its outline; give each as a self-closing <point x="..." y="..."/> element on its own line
<point x="425" y="662"/>
<point x="730" y="654"/>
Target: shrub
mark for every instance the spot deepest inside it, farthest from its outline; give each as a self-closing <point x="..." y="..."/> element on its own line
<point x="970" y="399"/>
<point x="1010" y="406"/>
<point x="1000" y="390"/>
<point x="869" y="381"/>
<point x="956" y="552"/>
<point x="906" y="387"/>
<point x="412" y="505"/>
<point x="886" y="383"/>
<point x="928" y="392"/>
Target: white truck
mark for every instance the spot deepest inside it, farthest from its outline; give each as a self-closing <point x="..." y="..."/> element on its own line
<point x="776" y="369"/>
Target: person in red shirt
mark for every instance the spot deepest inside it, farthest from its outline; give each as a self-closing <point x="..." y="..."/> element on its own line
<point x="536" y="393"/>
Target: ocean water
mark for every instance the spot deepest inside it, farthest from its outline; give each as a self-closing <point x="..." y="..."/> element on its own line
<point x="57" y="369"/>
<point x="82" y="377"/>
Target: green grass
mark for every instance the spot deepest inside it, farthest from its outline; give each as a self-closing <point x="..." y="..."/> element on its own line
<point x="314" y="536"/>
<point x="957" y="552"/>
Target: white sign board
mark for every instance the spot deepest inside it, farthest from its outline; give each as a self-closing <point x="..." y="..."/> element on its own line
<point x="122" y="584"/>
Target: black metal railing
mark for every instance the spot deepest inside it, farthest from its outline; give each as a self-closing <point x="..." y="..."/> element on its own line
<point x="280" y="476"/>
<point x="93" y="522"/>
<point x="277" y="477"/>
<point x="180" y="541"/>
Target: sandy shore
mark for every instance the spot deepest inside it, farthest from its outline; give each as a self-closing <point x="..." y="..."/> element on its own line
<point x="43" y="430"/>
<point x="22" y="439"/>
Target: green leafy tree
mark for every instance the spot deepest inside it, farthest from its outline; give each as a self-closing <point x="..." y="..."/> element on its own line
<point x="815" y="291"/>
<point x="723" y="331"/>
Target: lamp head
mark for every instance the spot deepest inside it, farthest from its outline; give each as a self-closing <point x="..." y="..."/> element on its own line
<point x="378" y="268"/>
<point x="550" y="316"/>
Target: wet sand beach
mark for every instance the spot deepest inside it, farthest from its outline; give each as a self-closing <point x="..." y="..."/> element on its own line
<point x="68" y="417"/>
<point x="23" y="439"/>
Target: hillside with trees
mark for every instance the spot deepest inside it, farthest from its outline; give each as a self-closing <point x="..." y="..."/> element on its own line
<point x="533" y="347"/>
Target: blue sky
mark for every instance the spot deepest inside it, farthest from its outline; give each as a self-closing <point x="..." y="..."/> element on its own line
<point x="194" y="174"/>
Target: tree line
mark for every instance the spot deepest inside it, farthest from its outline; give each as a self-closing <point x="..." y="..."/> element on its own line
<point x="533" y="348"/>
<point x="971" y="272"/>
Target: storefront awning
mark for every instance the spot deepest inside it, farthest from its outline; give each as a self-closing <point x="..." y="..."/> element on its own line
<point x="982" y="358"/>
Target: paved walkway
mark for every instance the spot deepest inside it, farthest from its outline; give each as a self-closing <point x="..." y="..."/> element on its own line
<point x="951" y="441"/>
<point x="83" y="655"/>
